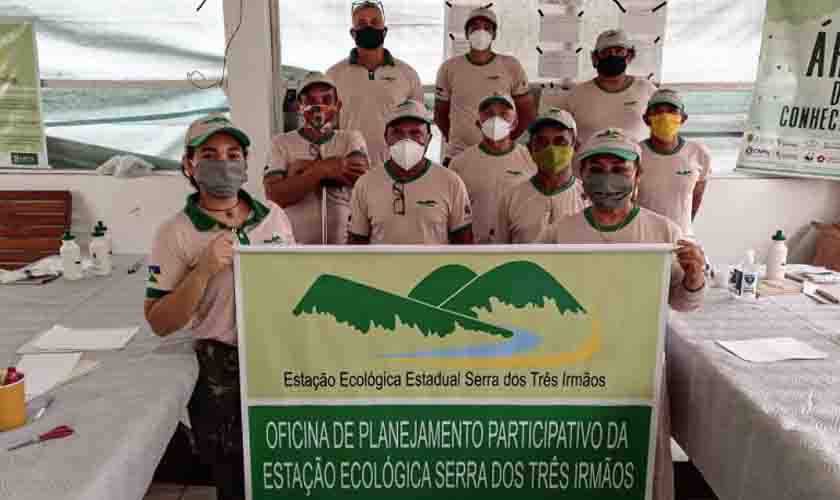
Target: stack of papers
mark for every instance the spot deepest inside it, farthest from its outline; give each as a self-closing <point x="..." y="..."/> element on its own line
<point x="43" y="372"/>
<point x="772" y="349"/>
<point x="62" y="339"/>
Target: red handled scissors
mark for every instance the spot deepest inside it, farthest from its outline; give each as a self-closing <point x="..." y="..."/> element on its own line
<point x="57" y="433"/>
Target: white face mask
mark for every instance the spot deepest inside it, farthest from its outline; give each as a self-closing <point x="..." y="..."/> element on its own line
<point x="407" y="153"/>
<point x="496" y="128"/>
<point x="480" y="40"/>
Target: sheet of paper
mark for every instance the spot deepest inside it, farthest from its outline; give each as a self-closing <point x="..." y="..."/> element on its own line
<point x="558" y="28"/>
<point x="42" y="372"/>
<point x="558" y="64"/>
<point x="103" y="339"/>
<point x="456" y="16"/>
<point x="770" y="350"/>
<point x="644" y="24"/>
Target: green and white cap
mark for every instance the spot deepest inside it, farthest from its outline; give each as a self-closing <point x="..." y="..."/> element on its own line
<point x="611" y="141"/>
<point x="409" y="109"/>
<point x="613" y="38"/>
<point x="504" y="99"/>
<point x="482" y="13"/>
<point x="667" y="96"/>
<point x="315" y="78"/>
<point x="204" y="128"/>
<point x="554" y="116"/>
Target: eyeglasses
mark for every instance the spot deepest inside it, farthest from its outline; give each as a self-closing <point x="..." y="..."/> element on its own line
<point x="399" y="198"/>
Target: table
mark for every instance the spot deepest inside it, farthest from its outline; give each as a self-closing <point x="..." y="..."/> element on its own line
<point x="124" y="413"/>
<point x="758" y="431"/>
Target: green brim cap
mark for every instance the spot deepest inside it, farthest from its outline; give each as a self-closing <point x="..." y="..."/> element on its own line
<point x="621" y="153"/>
<point x="553" y="116"/>
<point x="667" y="96"/>
<point x="611" y="141"/>
<point x="202" y="129"/>
<point x="502" y="99"/>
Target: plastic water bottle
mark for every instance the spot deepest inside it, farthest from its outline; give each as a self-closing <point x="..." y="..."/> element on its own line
<point x="99" y="254"/>
<point x="777" y="257"/>
<point x="71" y="257"/>
<point x="102" y="228"/>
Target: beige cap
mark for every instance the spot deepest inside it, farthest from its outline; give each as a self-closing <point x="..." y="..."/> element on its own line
<point x="409" y="109"/>
<point x="314" y="78"/>
<point x="484" y="13"/>
<point x="667" y="96"/>
<point x="202" y="129"/>
<point x="361" y="4"/>
<point x="554" y="116"/>
<point x="611" y="141"/>
<point x="504" y="99"/>
<point x="613" y="38"/>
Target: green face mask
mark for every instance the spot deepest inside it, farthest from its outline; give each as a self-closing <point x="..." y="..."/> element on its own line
<point x="555" y="158"/>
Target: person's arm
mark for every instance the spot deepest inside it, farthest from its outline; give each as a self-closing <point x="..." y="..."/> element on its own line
<point x="704" y="158"/>
<point x="286" y="188"/>
<point x="688" y="281"/>
<point x="443" y="92"/>
<point x="359" y="231"/>
<point x="697" y="198"/>
<point x="460" y="217"/>
<point x="169" y="311"/>
<point x="442" y="117"/>
<point x="523" y="98"/>
<point x="526" y="110"/>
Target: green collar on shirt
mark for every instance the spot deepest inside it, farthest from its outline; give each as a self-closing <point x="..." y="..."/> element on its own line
<point x="388" y="60"/>
<point x="390" y="168"/>
<point x="486" y="150"/>
<point x="560" y="189"/>
<point x="676" y="150"/>
<point x="492" y="58"/>
<point x="204" y="222"/>
<point x="323" y="140"/>
<point x="630" y="81"/>
<point x="614" y="228"/>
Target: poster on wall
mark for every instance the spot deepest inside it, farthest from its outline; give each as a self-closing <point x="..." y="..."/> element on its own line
<point x="431" y="373"/>
<point x="794" y="123"/>
<point x="22" y="138"/>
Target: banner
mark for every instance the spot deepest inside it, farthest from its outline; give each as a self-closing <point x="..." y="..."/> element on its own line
<point x="794" y="123"/>
<point x="451" y="373"/>
<point x="22" y="139"/>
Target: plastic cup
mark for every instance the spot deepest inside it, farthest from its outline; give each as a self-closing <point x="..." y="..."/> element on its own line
<point x="12" y="405"/>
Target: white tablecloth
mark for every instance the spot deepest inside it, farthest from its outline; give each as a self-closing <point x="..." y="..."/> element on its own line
<point x="758" y="431"/>
<point x="124" y="413"/>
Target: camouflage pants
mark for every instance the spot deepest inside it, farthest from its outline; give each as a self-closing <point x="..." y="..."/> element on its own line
<point x="216" y="417"/>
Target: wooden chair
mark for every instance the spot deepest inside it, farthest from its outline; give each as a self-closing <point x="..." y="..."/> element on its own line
<point x="31" y="225"/>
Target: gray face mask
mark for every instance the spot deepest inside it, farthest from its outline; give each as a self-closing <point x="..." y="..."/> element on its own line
<point x="608" y="191"/>
<point x="221" y="178"/>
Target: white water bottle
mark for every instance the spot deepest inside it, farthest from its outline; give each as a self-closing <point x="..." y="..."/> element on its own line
<point x="777" y="257"/>
<point x="102" y="228"/>
<point x="99" y="254"/>
<point x="71" y="257"/>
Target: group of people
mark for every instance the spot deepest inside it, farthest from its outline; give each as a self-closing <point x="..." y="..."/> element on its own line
<point x="606" y="166"/>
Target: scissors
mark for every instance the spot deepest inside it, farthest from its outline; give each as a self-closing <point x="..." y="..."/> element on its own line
<point x="57" y="433"/>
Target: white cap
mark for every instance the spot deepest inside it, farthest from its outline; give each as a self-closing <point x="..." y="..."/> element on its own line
<point x="613" y="38"/>
<point x="409" y="109"/>
<point x="554" y="116"/>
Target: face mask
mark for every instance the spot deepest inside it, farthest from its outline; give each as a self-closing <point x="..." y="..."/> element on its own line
<point x="407" y="153"/>
<point x="319" y="117"/>
<point x="665" y="126"/>
<point x="480" y="40"/>
<point x="370" y="37"/>
<point x="612" y="66"/>
<point x="608" y="191"/>
<point x="555" y="159"/>
<point x="496" y="128"/>
<point x="221" y="178"/>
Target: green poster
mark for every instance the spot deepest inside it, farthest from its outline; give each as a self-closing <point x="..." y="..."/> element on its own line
<point x="22" y="140"/>
<point x="468" y="373"/>
<point x="794" y="123"/>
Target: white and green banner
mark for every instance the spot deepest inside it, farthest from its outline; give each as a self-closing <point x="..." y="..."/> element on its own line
<point x="430" y="373"/>
<point x="22" y="139"/>
<point x="794" y="123"/>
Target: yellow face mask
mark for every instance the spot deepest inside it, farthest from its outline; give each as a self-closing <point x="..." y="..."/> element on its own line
<point x="555" y="158"/>
<point x="665" y="126"/>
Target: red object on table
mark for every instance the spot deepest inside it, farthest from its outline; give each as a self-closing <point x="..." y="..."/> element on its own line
<point x="57" y="433"/>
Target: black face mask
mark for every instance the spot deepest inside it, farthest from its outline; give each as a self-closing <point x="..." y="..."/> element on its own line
<point x="612" y="66"/>
<point x="370" y="37"/>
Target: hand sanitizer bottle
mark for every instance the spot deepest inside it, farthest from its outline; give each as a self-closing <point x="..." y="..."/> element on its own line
<point x="749" y="283"/>
<point x="102" y="228"/>
<point x="99" y="254"/>
<point x="71" y="257"/>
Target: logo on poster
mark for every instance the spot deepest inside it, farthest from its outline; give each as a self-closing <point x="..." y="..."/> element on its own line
<point x="754" y="151"/>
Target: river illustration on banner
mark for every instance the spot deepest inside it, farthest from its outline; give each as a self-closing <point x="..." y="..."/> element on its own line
<point x="490" y="320"/>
